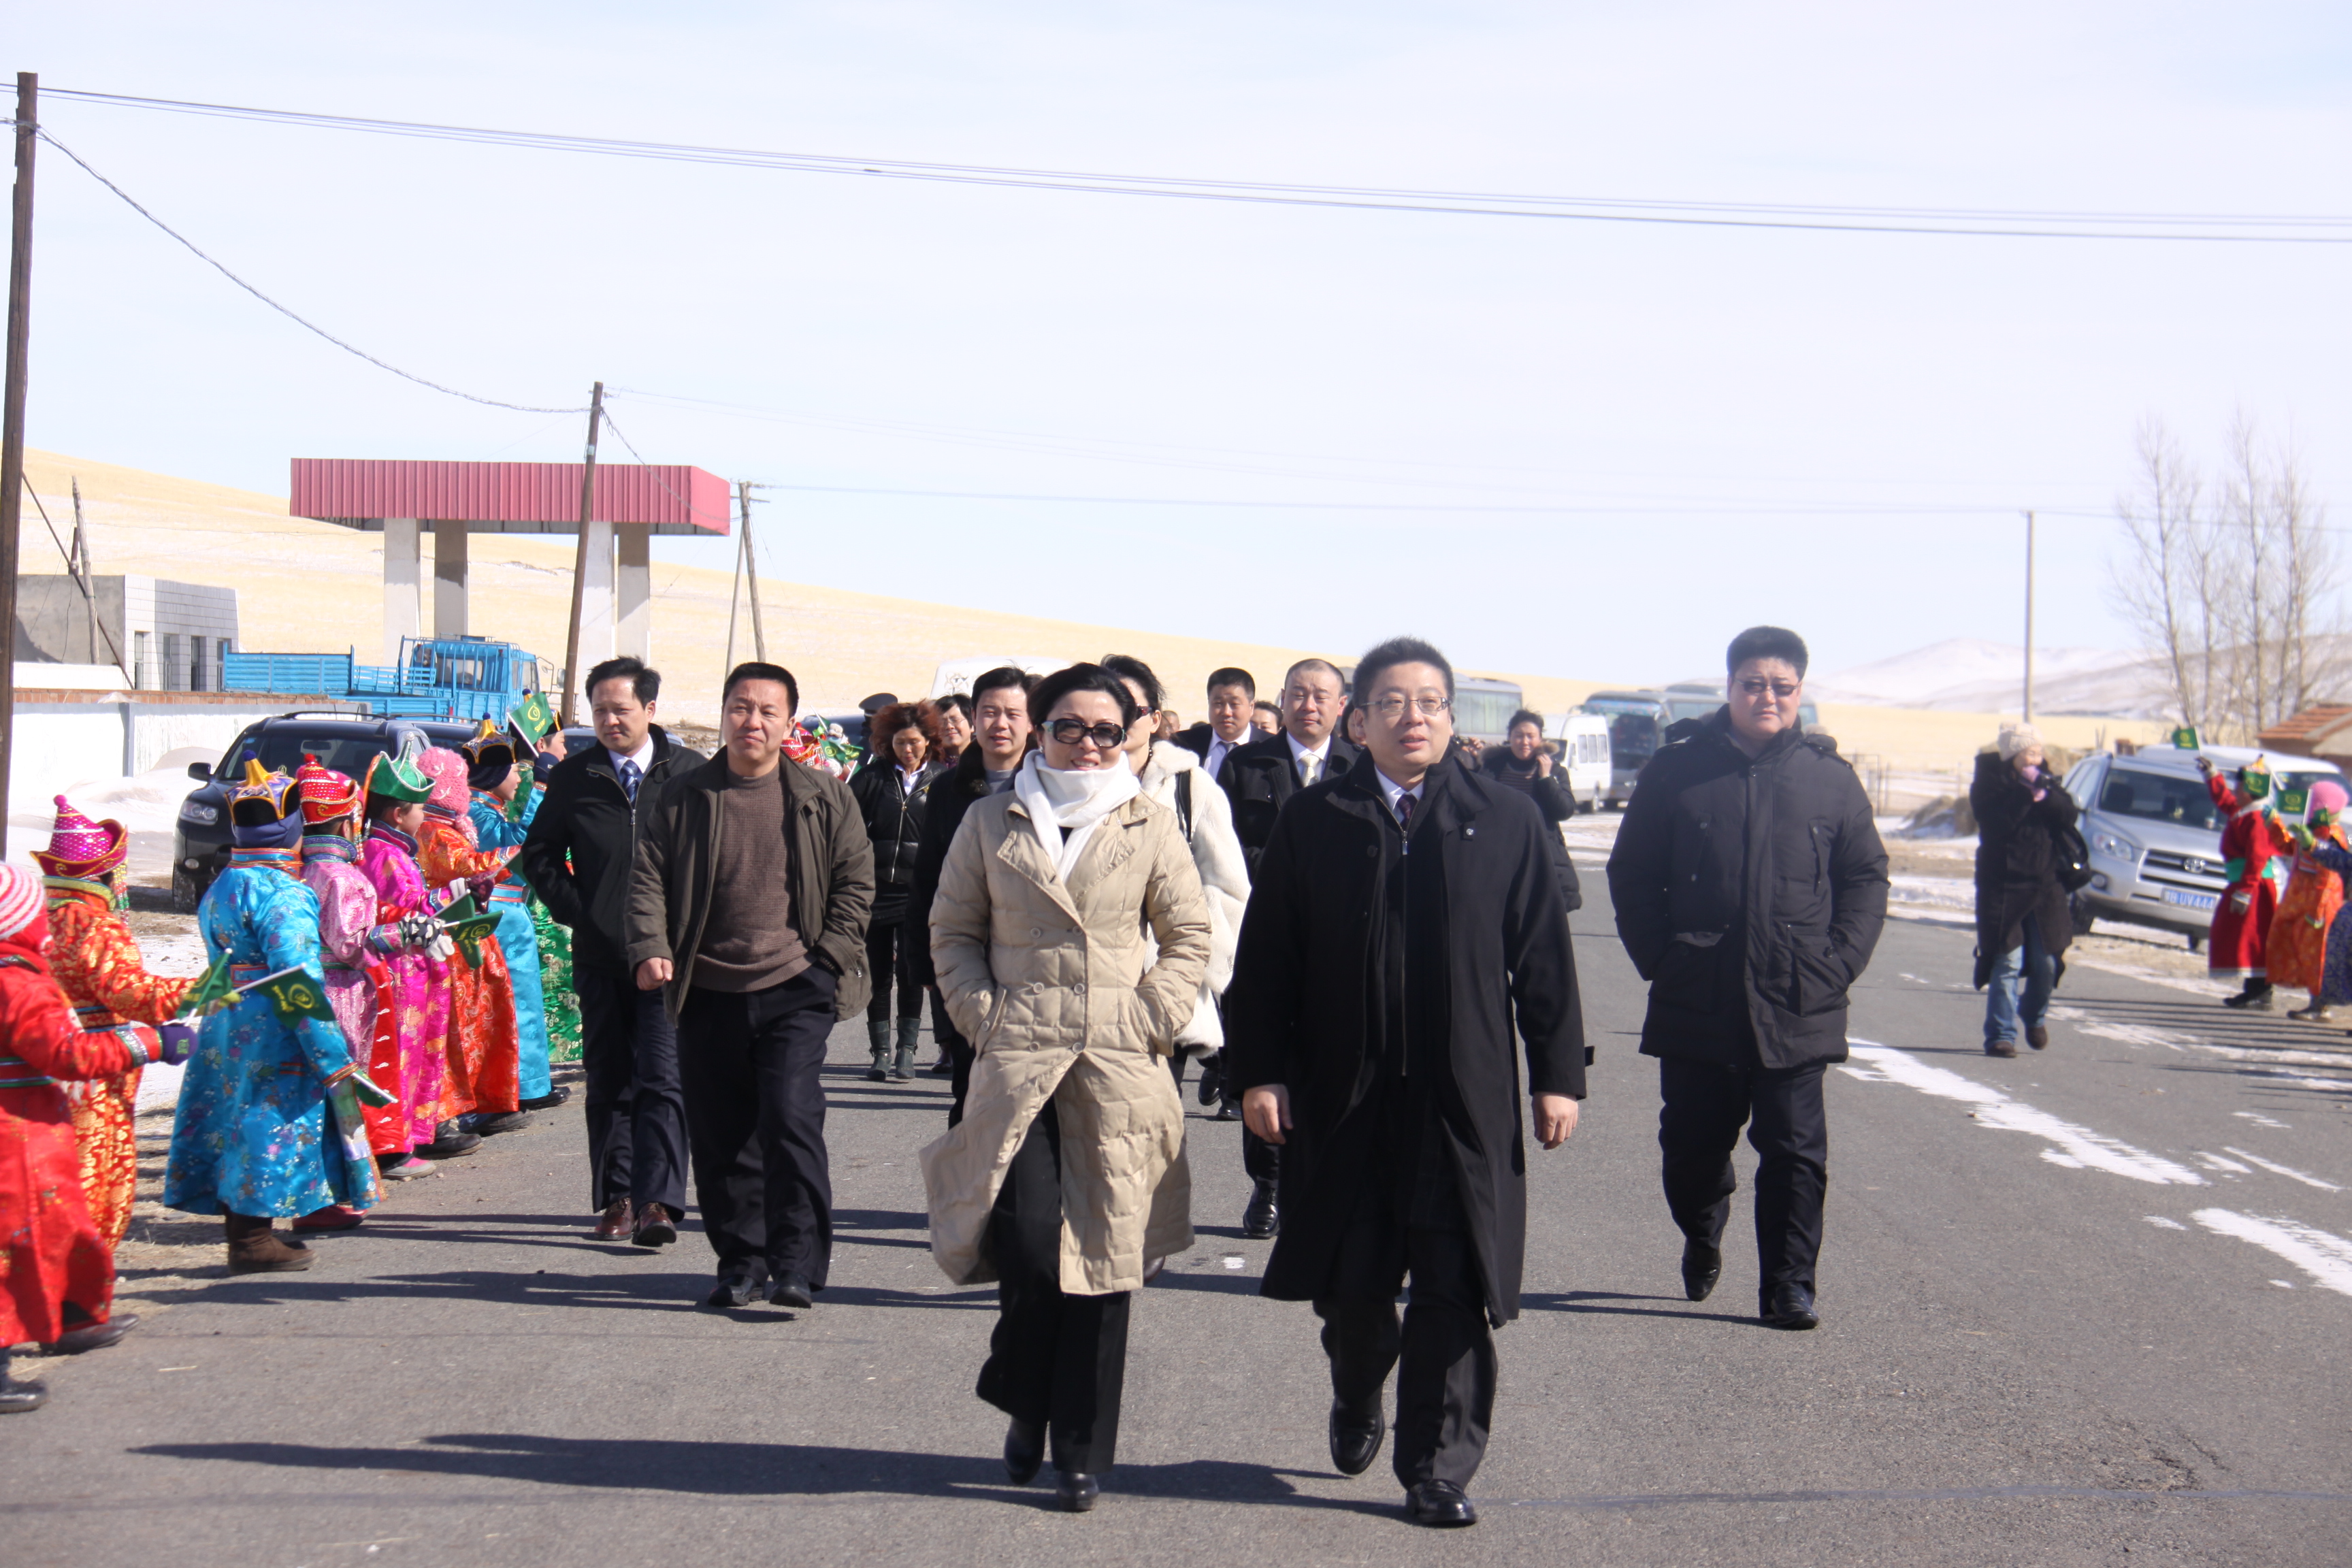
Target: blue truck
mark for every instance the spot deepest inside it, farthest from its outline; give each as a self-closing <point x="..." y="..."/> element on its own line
<point x="436" y="677"/>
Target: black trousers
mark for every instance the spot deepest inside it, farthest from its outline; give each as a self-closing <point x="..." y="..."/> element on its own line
<point x="887" y="957"/>
<point x="1261" y="1159"/>
<point x="1445" y="1383"/>
<point x="755" y="1108"/>
<point x="1055" y="1361"/>
<point x="960" y="1055"/>
<point x="636" y="1108"/>
<point x="1699" y="1125"/>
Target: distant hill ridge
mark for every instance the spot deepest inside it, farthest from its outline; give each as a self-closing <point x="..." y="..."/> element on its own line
<point x="1972" y="675"/>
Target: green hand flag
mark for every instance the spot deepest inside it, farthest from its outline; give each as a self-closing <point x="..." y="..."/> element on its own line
<point x="534" y="718"/>
<point x="469" y="934"/>
<point x="212" y="991"/>
<point x="295" y="994"/>
<point x="2184" y="738"/>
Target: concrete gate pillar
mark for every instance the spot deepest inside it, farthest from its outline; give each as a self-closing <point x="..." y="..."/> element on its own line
<point x="449" y="564"/>
<point x="632" y="591"/>
<point x="403" y="566"/>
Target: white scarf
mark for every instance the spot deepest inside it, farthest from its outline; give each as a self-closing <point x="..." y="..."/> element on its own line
<point x="1065" y="807"/>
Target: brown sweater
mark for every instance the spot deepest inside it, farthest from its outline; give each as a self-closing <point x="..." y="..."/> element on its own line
<point x="749" y="944"/>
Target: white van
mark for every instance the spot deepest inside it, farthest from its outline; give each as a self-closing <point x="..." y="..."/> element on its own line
<point x="1584" y="751"/>
<point x="955" y="676"/>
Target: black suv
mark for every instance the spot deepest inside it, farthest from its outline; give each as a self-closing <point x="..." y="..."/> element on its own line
<point x="345" y="743"/>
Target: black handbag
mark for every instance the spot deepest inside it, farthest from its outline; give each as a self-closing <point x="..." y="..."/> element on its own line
<point x="2073" y="858"/>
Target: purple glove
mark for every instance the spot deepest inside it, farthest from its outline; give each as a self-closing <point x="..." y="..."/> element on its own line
<point x="178" y="1042"/>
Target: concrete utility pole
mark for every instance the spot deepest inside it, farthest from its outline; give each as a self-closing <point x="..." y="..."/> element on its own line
<point x="581" y="560"/>
<point x="735" y="584"/>
<point x="2029" y="617"/>
<point x="11" y="412"/>
<point x="78" y="563"/>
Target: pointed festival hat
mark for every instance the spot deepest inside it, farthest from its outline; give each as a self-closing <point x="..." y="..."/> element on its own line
<point x="263" y="798"/>
<point x="82" y="848"/>
<point x="397" y="778"/>
<point x="326" y="795"/>
<point x="489" y="756"/>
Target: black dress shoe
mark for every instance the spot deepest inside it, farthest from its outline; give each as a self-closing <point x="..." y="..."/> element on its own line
<point x="547" y="1102"/>
<point x="736" y="1288"/>
<point x="94" y="1336"/>
<point x="1355" y="1439"/>
<point x="449" y="1141"/>
<point x="654" y="1228"/>
<point x="1791" y="1308"/>
<point x="17" y="1398"/>
<point x="1441" y="1505"/>
<point x="791" y="1290"/>
<point x="491" y="1123"/>
<point x="1024" y="1451"/>
<point x="2038" y="1037"/>
<point x="1702" y="1267"/>
<point x="1261" y="1219"/>
<point x="1213" y="1081"/>
<point x="1228" y="1111"/>
<point x="1076" y="1491"/>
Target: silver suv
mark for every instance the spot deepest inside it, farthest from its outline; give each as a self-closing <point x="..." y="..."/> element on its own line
<point x="2155" y="835"/>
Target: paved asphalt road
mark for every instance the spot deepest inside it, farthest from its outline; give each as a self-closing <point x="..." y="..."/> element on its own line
<point x="2088" y="1306"/>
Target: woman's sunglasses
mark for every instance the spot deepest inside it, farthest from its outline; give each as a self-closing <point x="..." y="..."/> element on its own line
<point x="1070" y="731"/>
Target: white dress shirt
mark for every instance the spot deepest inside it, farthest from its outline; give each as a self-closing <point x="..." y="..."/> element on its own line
<point x="1322" y="755"/>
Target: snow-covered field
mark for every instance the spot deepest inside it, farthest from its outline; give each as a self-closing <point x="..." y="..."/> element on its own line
<point x="147" y="803"/>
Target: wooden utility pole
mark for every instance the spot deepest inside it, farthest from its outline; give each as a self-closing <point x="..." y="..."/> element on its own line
<point x="752" y="576"/>
<point x="572" y="671"/>
<point x="735" y="584"/>
<point x="2029" y="617"/>
<point x="78" y="564"/>
<point x="11" y="412"/>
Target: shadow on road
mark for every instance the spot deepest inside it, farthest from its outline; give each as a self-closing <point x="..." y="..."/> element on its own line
<point x="753" y="1469"/>
<point x="1603" y="1301"/>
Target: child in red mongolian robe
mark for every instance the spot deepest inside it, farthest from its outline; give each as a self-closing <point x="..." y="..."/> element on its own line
<point x="485" y="1055"/>
<point x="2298" y="946"/>
<point x="99" y="966"/>
<point x="2238" y="946"/>
<point x="412" y="987"/>
<point x="56" y="1273"/>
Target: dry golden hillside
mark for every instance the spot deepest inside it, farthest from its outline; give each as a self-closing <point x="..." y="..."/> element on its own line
<point x="308" y="587"/>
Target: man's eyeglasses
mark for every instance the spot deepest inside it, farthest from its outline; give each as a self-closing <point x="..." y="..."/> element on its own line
<point x="1392" y="707"/>
<point x="1070" y="731"/>
<point x="1758" y="687"/>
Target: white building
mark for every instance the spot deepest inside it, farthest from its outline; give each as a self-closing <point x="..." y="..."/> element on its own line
<point x="168" y="637"/>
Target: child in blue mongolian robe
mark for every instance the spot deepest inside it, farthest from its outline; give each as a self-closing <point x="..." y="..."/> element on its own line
<point x="268" y="1124"/>
<point x="493" y="774"/>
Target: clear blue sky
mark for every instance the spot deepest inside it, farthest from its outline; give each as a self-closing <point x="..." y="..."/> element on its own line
<point x="955" y="338"/>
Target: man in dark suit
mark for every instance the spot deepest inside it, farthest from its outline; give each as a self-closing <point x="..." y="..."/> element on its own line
<point x="1233" y="692"/>
<point x="1404" y="923"/>
<point x="1260" y="778"/>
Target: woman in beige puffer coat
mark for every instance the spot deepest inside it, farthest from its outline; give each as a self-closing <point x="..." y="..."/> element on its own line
<point x="1066" y="1177"/>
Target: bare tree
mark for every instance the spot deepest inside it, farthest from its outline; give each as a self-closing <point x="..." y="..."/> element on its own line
<point x="2235" y="598"/>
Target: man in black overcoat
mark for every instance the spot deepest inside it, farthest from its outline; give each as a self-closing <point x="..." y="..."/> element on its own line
<point x="1402" y="920"/>
<point x="1259" y="779"/>
<point x="1750" y="887"/>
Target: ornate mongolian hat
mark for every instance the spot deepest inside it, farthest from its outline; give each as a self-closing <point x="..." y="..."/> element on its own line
<point x="82" y="848"/>
<point x="489" y="756"/>
<point x="397" y="778"/>
<point x="263" y="798"/>
<point x="23" y="901"/>
<point x="447" y="770"/>
<point x="326" y="795"/>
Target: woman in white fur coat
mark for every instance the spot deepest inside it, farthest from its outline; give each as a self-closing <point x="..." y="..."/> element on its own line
<point x="1173" y="777"/>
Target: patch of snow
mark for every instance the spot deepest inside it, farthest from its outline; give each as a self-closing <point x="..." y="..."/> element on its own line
<point x="2162" y="1223"/>
<point x="2327" y="1259"/>
<point x="2074" y="1147"/>
<point x="2289" y="1172"/>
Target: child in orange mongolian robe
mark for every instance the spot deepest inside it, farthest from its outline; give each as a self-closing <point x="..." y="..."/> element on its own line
<point x="56" y="1274"/>
<point x="99" y="966"/>
<point x="2298" y="946"/>
<point x="484" y="1050"/>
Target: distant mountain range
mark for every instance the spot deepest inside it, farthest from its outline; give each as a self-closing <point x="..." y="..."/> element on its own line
<point x="1973" y="676"/>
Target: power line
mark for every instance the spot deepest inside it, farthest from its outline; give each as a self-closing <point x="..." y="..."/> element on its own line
<point x="649" y="469"/>
<point x="1982" y="223"/>
<point x="281" y="309"/>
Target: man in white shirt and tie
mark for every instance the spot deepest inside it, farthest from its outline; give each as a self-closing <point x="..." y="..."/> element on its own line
<point x="1233" y="692"/>
<point x="1260" y="779"/>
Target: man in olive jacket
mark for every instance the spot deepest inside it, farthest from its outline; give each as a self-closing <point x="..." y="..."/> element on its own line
<point x="1750" y="887"/>
<point x="1404" y="924"/>
<point x="747" y="906"/>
